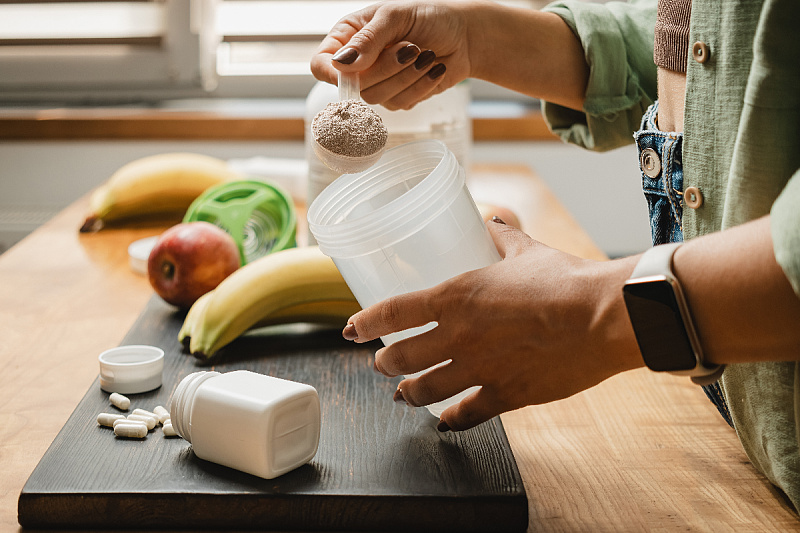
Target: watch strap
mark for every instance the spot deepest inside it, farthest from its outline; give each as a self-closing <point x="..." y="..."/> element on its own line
<point x="657" y="261"/>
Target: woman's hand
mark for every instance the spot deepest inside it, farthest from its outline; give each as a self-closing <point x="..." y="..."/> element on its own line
<point x="405" y="51"/>
<point x="539" y="326"/>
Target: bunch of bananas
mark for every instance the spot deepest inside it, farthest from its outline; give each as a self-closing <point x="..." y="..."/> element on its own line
<point x="164" y="183"/>
<point x="294" y="285"/>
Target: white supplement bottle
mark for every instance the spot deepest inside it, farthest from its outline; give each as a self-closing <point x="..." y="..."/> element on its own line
<point x="258" y="424"/>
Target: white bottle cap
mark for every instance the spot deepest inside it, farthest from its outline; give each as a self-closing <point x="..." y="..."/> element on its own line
<point x="131" y="369"/>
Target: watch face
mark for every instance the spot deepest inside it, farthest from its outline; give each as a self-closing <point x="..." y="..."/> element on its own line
<point x="658" y="325"/>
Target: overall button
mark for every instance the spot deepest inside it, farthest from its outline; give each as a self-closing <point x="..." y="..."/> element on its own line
<point x="693" y="197"/>
<point x="650" y="162"/>
<point x="700" y="52"/>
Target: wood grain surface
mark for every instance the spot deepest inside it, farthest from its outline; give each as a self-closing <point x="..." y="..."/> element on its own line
<point x="148" y="124"/>
<point x="639" y="452"/>
<point x="380" y="466"/>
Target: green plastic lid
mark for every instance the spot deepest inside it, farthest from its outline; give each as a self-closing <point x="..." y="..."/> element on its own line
<point x="260" y="216"/>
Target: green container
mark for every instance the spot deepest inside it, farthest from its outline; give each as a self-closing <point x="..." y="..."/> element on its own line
<point x="260" y="216"/>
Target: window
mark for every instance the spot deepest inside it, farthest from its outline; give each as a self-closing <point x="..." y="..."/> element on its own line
<point x="96" y="50"/>
<point x="117" y="52"/>
<point x="268" y="44"/>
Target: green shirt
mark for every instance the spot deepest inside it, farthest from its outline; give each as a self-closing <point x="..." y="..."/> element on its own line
<point x="741" y="148"/>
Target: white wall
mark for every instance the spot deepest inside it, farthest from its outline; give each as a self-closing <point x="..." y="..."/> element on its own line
<point x="601" y="190"/>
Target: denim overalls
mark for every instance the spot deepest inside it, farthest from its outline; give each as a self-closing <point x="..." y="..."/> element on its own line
<point x="662" y="182"/>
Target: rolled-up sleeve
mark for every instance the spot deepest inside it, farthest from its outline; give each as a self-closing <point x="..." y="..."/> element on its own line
<point x="785" y="229"/>
<point x="617" y="40"/>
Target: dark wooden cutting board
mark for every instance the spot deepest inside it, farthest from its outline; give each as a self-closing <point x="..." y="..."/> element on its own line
<point x="380" y="466"/>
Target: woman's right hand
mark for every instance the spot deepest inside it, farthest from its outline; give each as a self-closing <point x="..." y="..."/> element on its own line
<point x="405" y="51"/>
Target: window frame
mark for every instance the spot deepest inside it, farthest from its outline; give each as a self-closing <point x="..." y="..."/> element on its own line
<point x="93" y="70"/>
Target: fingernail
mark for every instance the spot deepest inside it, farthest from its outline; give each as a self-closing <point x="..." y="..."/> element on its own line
<point x="424" y="60"/>
<point x="345" y="56"/>
<point x="442" y="427"/>
<point x="349" y="332"/>
<point x="437" y="71"/>
<point x="398" y="396"/>
<point x="407" y="53"/>
<point x="496" y="219"/>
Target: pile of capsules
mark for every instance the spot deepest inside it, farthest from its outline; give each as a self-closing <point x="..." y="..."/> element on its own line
<point x="137" y="424"/>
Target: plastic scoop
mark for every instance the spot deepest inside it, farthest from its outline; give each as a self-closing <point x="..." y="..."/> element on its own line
<point x="349" y="89"/>
<point x="349" y="86"/>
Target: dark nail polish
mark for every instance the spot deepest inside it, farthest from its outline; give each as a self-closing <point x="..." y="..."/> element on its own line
<point x="442" y="426"/>
<point x="437" y="71"/>
<point x="425" y="60"/>
<point x="345" y="56"/>
<point x="407" y="53"/>
<point x="349" y="332"/>
<point x="496" y="219"/>
<point x="398" y="397"/>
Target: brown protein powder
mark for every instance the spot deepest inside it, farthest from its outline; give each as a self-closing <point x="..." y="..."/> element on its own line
<point x="350" y="128"/>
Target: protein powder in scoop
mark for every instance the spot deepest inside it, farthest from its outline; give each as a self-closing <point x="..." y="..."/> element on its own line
<point x="349" y="128"/>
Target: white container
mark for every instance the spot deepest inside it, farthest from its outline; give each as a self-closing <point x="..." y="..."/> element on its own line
<point x="444" y="117"/>
<point x="408" y="223"/>
<point x="258" y="424"/>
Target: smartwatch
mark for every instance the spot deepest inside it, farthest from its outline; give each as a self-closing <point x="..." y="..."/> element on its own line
<point x="661" y="320"/>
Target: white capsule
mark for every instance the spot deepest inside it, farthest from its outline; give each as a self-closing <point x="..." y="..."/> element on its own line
<point x="143" y="412"/>
<point x="126" y="421"/>
<point x="162" y="413"/>
<point x="107" y="419"/>
<point x="134" y="431"/>
<point x="149" y="421"/>
<point x="119" y="401"/>
<point x="169" y="431"/>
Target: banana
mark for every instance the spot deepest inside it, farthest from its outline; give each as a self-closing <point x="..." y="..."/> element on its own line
<point x="164" y="183"/>
<point x="333" y="312"/>
<point x="294" y="285"/>
<point x="193" y="316"/>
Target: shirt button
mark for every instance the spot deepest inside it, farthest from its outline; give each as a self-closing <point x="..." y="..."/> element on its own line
<point x="700" y="52"/>
<point x="650" y="163"/>
<point x="693" y="197"/>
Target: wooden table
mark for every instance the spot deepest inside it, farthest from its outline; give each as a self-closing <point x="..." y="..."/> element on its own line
<point x="640" y="451"/>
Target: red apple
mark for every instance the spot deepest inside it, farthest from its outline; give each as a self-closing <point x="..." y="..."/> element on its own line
<point x="190" y="259"/>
